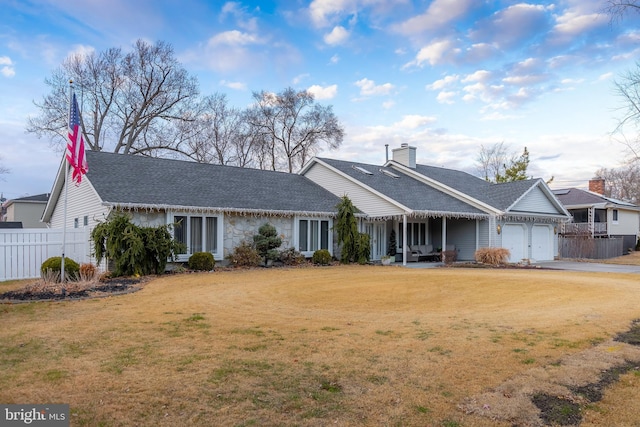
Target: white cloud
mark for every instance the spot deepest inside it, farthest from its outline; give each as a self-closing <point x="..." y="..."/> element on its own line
<point x="81" y="50"/>
<point x="605" y="76"/>
<point x="239" y="13"/>
<point x="387" y="105"/>
<point x="7" y="69"/>
<point x="573" y="23"/>
<point x="300" y="77"/>
<point x="337" y="36"/>
<point x="234" y="85"/>
<point x="334" y="59"/>
<point x="319" y="10"/>
<point x="413" y="121"/>
<point x="446" y="97"/>
<point x="369" y="87"/>
<point x="433" y="53"/>
<point x="478" y="76"/>
<point x="446" y="81"/>
<point x="327" y="92"/>
<point x="438" y="15"/>
<point x="234" y="38"/>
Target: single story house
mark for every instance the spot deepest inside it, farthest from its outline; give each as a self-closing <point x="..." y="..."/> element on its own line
<point x="598" y="216"/>
<point x="438" y="208"/>
<point x="217" y="207"/>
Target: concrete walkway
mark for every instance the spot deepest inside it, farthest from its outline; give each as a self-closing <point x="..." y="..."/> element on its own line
<point x="555" y="265"/>
<point x="589" y="266"/>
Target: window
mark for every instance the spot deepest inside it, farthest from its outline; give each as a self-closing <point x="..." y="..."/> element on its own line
<point x="313" y="234"/>
<point x="416" y="234"/>
<point x="197" y="233"/>
<point x="76" y="223"/>
<point x="85" y="220"/>
<point x="615" y="216"/>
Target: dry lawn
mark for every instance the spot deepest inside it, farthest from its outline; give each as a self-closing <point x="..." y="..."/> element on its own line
<point x="347" y="346"/>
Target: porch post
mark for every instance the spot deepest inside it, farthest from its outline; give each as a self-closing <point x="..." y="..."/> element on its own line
<point x="404" y="239"/>
<point x="444" y="233"/>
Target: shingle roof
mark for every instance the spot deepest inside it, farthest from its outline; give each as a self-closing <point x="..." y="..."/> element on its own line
<point x="500" y="196"/>
<point x="404" y="189"/>
<point x="122" y="179"/>
<point x="418" y="196"/>
<point x="576" y="196"/>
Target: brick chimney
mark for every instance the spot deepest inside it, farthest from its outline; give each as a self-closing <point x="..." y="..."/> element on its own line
<point x="596" y="185"/>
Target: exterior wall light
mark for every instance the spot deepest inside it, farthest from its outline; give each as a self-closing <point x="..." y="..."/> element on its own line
<point x="499" y="229"/>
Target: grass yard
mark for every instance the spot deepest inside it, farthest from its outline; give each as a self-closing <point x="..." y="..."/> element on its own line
<point x="346" y="346"/>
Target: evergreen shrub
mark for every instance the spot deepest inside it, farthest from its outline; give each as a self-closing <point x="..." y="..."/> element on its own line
<point x="321" y="257"/>
<point x="71" y="268"/>
<point x="202" y="261"/>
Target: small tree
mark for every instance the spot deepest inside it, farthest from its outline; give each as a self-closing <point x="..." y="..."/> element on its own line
<point x="347" y="229"/>
<point x="391" y="247"/>
<point x="266" y="240"/>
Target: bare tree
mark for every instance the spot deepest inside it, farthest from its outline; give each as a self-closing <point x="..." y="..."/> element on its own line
<point x="616" y="9"/>
<point x="292" y="127"/>
<point x="497" y="164"/>
<point x="131" y="103"/>
<point x="628" y="88"/>
<point x="622" y="183"/>
<point x="491" y="161"/>
<point x="3" y="170"/>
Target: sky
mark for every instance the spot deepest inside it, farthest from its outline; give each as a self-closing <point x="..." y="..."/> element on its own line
<point x="445" y="76"/>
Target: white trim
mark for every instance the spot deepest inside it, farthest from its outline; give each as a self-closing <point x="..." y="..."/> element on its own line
<point x="219" y="253"/>
<point x="296" y="234"/>
<point x="357" y="182"/>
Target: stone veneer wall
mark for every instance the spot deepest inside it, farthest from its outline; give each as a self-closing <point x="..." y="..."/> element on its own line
<point x="238" y="228"/>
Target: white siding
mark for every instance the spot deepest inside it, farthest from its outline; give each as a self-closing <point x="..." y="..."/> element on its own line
<point x="535" y="201"/>
<point x="82" y="201"/>
<point x="627" y="223"/>
<point x="364" y="200"/>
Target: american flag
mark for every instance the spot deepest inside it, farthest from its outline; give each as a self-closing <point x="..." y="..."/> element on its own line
<point x="75" y="146"/>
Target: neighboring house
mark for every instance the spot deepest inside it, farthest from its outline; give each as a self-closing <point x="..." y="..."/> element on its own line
<point x="215" y="207"/>
<point x="444" y="208"/>
<point x="27" y="210"/>
<point x="597" y="216"/>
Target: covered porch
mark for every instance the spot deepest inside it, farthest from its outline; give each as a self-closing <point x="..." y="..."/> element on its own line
<point x="409" y="239"/>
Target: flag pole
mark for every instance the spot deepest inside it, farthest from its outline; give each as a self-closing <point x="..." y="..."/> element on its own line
<point x="66" y="172"/>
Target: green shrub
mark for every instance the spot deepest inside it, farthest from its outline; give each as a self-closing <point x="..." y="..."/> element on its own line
<point x="321" y="257"/>
<point x="292" y="257"/>
<point x="266" y="241"/>
<point x="363" y="248"/>
<point x="134" y="249"/>
<point x="202" y="261"/>
<point x="244" y="255"/>
<point x="71" y="268"/>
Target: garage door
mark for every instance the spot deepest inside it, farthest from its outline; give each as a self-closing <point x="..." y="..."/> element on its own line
<point x="514" y="238"/>
<point x="542" y="243"/>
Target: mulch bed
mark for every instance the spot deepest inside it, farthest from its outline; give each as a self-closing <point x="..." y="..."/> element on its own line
<point x="58" y="292"/>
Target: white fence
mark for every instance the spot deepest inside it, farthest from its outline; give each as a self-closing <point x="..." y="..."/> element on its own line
<point x="22" y="251"/>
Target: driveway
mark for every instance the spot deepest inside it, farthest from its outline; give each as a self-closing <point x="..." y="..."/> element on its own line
<point x="589" y="266"/>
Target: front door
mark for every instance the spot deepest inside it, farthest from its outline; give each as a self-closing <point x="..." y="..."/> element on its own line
<point x="377" y="238"/>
